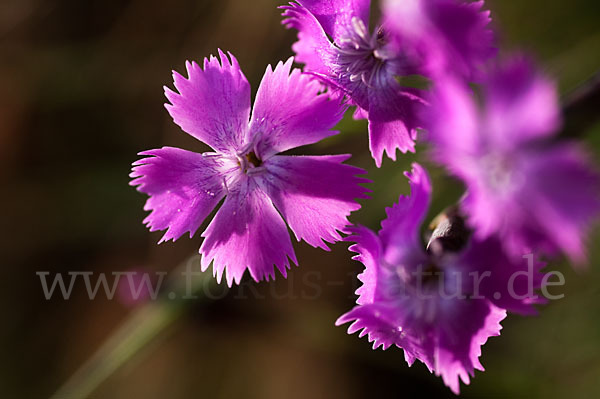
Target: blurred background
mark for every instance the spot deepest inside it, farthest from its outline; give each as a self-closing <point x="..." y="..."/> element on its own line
<point x="81" y="85"/>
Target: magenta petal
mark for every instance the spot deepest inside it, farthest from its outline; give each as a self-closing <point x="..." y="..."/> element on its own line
<point x="452" y="121"/>
<point x="370" y="319"/>
<point x="247" y="233"/>
<point x="392" y="122"/>
<point x="400" y="230"/>
<point x="288" y="112"/>
<point x="464" y="30"/>
<point x="315" y="194"/>
<point x="368" y="251"/>
<point x="466" y="329"/>
<point x="520" y="106"/>
<point x="313" y="47"/>
<point x="336" y="15"/>
<point x="450" y="347"/>
<point x="388" y="136"/>
<point x="213" y="103"/>
<point x="184" y="187"/>
<point x="564" y="197"/>
<point x="449" y="35"/>
<point x="522" y="98"/>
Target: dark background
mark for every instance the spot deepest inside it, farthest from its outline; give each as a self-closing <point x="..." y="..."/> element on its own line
<point x="81" y="84"/>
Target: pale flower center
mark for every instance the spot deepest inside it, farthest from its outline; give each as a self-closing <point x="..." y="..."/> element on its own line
<point x="501" y="173"/>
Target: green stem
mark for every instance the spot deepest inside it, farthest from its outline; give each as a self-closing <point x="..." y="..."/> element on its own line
<point x="144" y="326"/>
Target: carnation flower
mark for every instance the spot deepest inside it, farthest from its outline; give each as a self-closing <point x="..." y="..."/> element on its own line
<point x="336" y="46"/>
<point x="439" y="308"/>
<point x="534" y="192"/>
<point x="314" y="194"/>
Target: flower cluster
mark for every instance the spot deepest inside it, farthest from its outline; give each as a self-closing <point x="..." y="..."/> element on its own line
<point x="429" y="68"/>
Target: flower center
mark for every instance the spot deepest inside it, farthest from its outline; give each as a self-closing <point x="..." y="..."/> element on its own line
<point x="430" y="275"/>
<point x="248" y="160"/>
<point x="361" y="56"/>
<point x="253" y="159"/>
<point x="250" y="163"/>
<point x="502" y="175"/>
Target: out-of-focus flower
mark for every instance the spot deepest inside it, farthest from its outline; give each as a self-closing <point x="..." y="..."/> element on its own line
<point x="440" y="309"/>
<point x="314" y="194"/>
<point x="375" y="69"/>
<point x="535" y="193"/>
